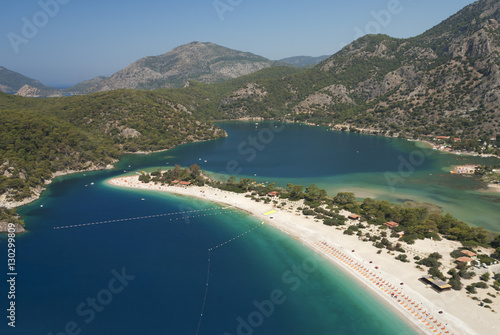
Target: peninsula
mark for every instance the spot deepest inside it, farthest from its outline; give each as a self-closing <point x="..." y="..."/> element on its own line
<point x="379" y="260"/>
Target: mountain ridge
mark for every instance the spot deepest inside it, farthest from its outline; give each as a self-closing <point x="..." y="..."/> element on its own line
<point x="203" y="62"/>
<point x="444" y="80"/>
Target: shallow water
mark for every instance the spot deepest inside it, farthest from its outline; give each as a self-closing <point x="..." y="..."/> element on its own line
<point x="165" y="258"/>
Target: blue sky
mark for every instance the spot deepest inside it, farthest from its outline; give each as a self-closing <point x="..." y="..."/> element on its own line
<point x="82" y="39"/>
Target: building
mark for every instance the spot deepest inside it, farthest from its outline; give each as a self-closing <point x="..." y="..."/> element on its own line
<point x="273" y="194"/>
<point x="465" y="169"/>
<point x="437" y="284"/>
<point x="468" y="253"/>
<point x="391" y="224"/>
<point x="466" y="260"/>
<point x="354" y="217"/>
<point x="185" y="183"/>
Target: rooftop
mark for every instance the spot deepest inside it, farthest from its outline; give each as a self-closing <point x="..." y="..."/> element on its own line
<point x="391" y="224"/>
<point x="438" y="284"/>
<point x="464" y="259"/>
<point x="468" y="253"/>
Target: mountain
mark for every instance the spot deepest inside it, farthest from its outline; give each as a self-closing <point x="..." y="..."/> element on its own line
<point x="15" y="83"/>
<point x="196" y="61"/>
<point x="445" y="81"/>
<point x="304" y="61"/>
<point x="84" y="85"/>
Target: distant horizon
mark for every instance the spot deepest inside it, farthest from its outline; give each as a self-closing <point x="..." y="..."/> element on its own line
<point x="64" y="42"/>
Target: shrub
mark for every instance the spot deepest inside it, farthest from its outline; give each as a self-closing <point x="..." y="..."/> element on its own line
<point x="480" y="285"/>
<point x="485" y="276"/>
<point x="434" y="271"/>
<point x="456" y="284"/>
<point x="430" y="262"/>
<point x="471" y="289"/>
<point x="403" y="258"/>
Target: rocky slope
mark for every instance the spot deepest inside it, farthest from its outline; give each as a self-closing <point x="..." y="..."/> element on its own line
<point x="35" y="92"/>
<point x="445" y="80"/>
<point x="15" y="83"/>
<point x="203" y="62"/>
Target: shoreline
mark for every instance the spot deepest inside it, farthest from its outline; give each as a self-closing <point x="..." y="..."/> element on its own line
<point x="334" y="246"/>
<point x="4" y="203"/>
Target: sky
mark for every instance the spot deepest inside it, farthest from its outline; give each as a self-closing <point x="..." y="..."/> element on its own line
<point x="63" y="42"/>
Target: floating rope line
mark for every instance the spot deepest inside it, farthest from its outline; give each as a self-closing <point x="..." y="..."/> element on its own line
<point x="208" y="269"/>
<point x="152" y="216"/>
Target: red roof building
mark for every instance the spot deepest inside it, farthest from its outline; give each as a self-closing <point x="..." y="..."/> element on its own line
<point x="391" y="224"/>
<point x="466" y="260"/>
<point x="468" y="253"/>
<point x="185" y="183"/>
<point x="354" y="217"/>
<point x="273" y="194"/>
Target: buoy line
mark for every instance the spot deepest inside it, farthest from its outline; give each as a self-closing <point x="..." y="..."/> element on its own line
<point x="151" y="217"/>
<point x="208" y="269"/>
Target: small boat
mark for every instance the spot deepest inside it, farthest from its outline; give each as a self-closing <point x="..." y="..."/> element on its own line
<point x="92" y="183"/>
<point x="205" y="160"/>
<point x="143" y="199"/>
<point x="41" y="205"/>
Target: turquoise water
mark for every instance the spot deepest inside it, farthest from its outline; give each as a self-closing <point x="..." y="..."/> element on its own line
<point x="162" y="261"/>
<point x="370" y="166"/>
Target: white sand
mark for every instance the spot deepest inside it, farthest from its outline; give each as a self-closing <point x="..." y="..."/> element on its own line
<point x="419" y="304"/>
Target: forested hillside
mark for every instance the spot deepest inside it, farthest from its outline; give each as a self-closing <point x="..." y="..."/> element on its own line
<point x="42" y="136"/>
<point x="445" y="81"/>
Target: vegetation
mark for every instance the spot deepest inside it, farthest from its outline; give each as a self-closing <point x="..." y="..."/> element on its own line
<point x="10" y="216"/>
<point x="432" y="261"/>
<point x="42" y="136"/>
<point x="403" y="258"/>
<point x="454" y="281"/>
<point x="191" y="175"/>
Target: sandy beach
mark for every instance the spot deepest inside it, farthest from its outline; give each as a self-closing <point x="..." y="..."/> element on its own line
<point x="394" y="282"/>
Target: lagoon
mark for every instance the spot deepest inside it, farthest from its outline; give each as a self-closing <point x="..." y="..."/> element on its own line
<point x="59" y="270"/>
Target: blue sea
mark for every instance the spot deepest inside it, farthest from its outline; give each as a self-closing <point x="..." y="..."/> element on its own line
<point x="143" y="265"/>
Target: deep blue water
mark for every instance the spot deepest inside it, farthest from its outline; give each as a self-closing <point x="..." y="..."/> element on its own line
<point x="165" y="259"/>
